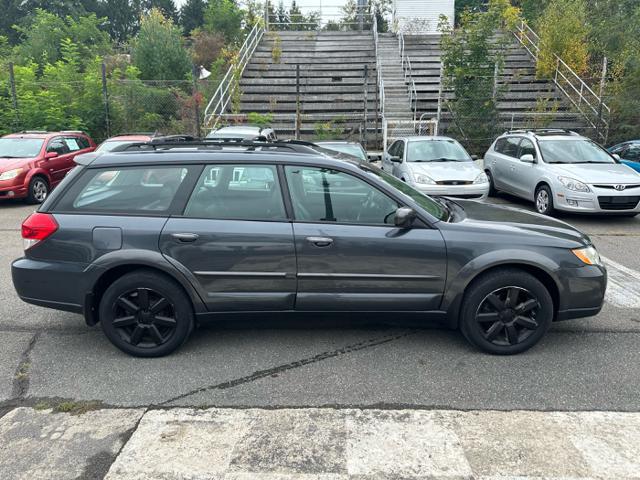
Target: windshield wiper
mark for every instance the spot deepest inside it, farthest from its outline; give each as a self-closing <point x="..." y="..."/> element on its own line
<point x="8" y="156"/>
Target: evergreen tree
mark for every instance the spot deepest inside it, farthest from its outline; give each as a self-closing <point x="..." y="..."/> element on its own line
<point x="192" y="15"/>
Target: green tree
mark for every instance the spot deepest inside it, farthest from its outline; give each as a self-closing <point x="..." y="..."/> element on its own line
<point x="471" y="59"/>
<point x="13" y="12"/>
<point x="167" y="7"/>
<point x="282" y="17"/>
<point x="564" y="31"/>
<point x="123" y="18"/>
<point x="225" y="17"/>
<point x="157" y="51"/>
<point x="42" y="38"/>
<point x="192" y="15"/>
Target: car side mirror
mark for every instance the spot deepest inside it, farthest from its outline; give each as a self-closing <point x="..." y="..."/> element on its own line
<point x="49" y="155"/>
<point x="527" y="158"/>
<point x="616" y="156"/>
<point x="395" y="159"/>
<point x="404" y="217"/>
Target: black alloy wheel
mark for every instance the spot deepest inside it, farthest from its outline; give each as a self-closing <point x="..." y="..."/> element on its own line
<point x="144" y="318"/>
<point x="506" y="311"/>
<point x="507" y="316"/>
<point x="146" y="314"/>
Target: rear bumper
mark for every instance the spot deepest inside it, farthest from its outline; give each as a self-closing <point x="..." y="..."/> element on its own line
<point x="51" y="285"/>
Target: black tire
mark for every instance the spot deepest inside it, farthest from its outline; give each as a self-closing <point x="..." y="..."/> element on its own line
<point x="146" y="314"/>
<point x="492" y="186"/>
<point x="543" y="200"/>
<point x="489" y="317"/>
<point x="38" y="190"/>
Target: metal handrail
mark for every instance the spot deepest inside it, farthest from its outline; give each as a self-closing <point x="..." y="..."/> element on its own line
<point x="408" y="75"/>
<point x="378" y="67"/>
<point x="222" y="96"/>
<point x="564" y="74"/>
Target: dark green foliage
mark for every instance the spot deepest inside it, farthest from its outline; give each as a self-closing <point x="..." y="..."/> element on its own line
<point x="192" y="15"/>
<point x="225" y="17"/>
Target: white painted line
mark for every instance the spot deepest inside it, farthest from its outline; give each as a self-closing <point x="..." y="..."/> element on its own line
<point x="623" y="289"/>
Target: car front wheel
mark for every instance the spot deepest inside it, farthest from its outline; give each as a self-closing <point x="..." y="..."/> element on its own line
<point x="506" y="312"/>
<point x="544" y="200"/>
<point x="38" y="190"/>
<point x="146" y="314"/>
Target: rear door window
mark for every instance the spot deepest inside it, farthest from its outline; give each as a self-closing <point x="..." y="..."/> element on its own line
<point x="72" y="143"/>
<point x="128" y="190"/>
<point x="237" y="192"/>
<point x="511" y="147"/>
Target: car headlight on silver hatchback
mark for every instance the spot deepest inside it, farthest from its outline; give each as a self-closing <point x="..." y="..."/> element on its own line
<point x="573" y="184"/>
<point x="424" y="179"/>
<point x="9" y="174"/>
<point x="482" y="178"/>
<point x="589" y="255"/>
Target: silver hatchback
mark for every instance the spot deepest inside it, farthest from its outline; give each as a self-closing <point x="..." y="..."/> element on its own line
<point x="561" y="170"/>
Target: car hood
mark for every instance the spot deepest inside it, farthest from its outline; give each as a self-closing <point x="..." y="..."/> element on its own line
<point x="515" y="220"/>
<point x="11" y="163"/>
<point x="441" y="171"/>
<point x="598" y="172"/>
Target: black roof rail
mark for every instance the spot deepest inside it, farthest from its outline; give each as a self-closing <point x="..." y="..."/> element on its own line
<point x="216" y="144"/>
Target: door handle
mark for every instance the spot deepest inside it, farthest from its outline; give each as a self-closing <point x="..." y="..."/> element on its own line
<point x="185" y="237"/>
<point x="320" y="241"/>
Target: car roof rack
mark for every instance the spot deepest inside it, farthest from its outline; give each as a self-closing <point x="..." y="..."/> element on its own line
<point x="39" y="132"/>
<point x="72" y="131"/>
<point x="544" y="131"/>
<point x="216" y="144"/>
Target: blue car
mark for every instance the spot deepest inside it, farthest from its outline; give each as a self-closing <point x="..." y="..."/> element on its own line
<point x="629" y="153"/>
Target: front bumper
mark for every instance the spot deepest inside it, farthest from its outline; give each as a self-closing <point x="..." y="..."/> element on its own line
<point x="598" y="200"/>
<point x="14" y="188"/>
<point x="582" y="291"/>
<point x="478" y="191"/>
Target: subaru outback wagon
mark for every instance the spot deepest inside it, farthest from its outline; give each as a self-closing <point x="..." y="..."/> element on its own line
<point x="150" y="243"/>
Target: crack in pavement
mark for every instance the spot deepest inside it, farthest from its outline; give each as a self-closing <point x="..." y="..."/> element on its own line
<point x="21" y="376"/>
<point x="374" y="342"/>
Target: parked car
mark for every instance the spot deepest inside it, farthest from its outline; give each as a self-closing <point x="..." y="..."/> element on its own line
<point x="124" y="139"/>
<point x="32" y="163"/>
<point x="243" y="132"/>
<point x="628" y="153"/>
<point x="436" y="166"/>
<point x="283" y="229"/>
<point x="350" y="148"/>
<point x="561" y="170"/>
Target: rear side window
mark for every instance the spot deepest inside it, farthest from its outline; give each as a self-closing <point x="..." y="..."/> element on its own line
<point x="237" y="192"/>
<point x="72" y="143"/>
<point x="83" y="142"/>
<point x="148" y="190"/>
<point x="509" y="147"/>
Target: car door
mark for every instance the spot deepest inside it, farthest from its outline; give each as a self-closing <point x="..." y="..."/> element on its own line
<point x="76" y="146"/>
<point x="234" y="239"/>
<point x="351" y="256"/>
<point x="59" y="165"/>
<point x="631" y="156"/>
<point x="507" y="165"/>
<point x="525" y="174"/>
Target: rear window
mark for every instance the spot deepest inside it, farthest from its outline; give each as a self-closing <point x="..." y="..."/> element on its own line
<point x="148" y="190"/>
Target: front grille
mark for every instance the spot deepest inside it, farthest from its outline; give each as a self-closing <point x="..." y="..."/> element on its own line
<point x="618" y="203"/>
<point x="455" y="182"/>
<point x="613" y="187"/>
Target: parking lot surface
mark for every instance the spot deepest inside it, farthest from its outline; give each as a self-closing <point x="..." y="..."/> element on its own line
<point x="49" y="357"/>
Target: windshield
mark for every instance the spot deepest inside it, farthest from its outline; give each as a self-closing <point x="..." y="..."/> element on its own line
<point x="20" y="147"/>
<point x="109" y="145"/>
<point x="436" y="150"/>
<point x="436" y="209"/>
<point x="348" y="148"/>
<point x="573" y="151"/>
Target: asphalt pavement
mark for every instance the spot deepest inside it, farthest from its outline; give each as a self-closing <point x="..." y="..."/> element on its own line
<point x="49" y="357"/>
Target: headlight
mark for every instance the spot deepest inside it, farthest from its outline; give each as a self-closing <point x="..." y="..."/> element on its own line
<point x="9" y="174"/>
<point x="588" y="255"/>
<point x="482" y="178"/>
<point x="573" y="184"/>
<point x="425" y="180"/>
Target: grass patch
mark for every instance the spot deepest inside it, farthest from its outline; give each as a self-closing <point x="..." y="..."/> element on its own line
<point x="76" y="408"/>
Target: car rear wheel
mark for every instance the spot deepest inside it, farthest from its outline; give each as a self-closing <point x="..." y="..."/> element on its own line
<point x="544" y="200"/>
<point x="506" y="312"/>
<point x="146" y="314"/>
<point x="38" y="190"/>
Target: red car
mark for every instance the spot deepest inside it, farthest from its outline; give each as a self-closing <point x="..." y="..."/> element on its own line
<point x="32" y="163"/>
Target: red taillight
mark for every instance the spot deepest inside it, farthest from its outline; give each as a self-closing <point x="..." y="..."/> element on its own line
<point x="37" y="227"/>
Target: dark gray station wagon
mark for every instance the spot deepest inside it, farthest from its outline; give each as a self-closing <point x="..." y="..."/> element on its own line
<point x="150" y="243"/>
